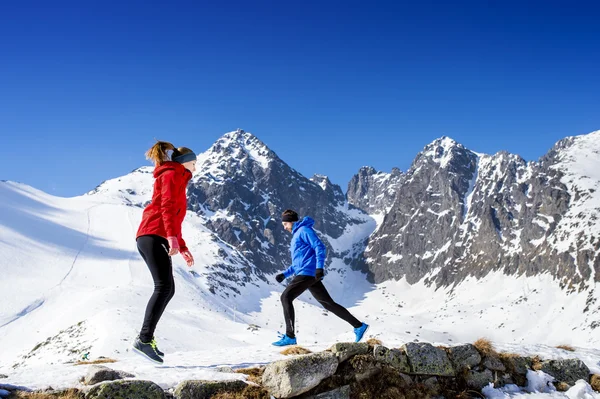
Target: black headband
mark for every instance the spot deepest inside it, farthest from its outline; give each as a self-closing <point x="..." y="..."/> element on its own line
<point x="183" y="158"/>
<point x="289" y="218"/>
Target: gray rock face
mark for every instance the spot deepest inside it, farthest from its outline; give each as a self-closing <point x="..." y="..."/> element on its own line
<point x="478" y="380"/>
<point x="374" y="192"/>
<point x="392" y="357"/>
<point x="364" y="367"/>
<point x="493" y="363"/>
<point x="126" y="390"/>
<point x="292" y="377"/>
<point x="345" y="350"/>
<point x="462" y="214"/>
<point x="464" y="356"/>
<point x="422" y="219"/>
<point x="200" y="389"/>
<point x="518" y="366"/>
<point x="427" y="359"/>
<point x="433" y="385"/>
<point x="568" y="371"/>
<point x="98" y="374"/>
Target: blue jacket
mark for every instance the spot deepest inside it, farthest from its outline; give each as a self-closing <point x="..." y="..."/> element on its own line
<point x="308" y="252"/>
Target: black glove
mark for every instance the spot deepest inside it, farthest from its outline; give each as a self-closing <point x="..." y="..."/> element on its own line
<point x="280" y="277"/>
<point x="320" y="274"/>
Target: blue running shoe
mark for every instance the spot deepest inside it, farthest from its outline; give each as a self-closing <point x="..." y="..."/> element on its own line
<point x="360" y="331"/>
<point x="284" y="340"/>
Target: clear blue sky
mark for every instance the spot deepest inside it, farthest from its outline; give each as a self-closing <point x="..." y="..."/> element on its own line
<point x="85" y="86"/>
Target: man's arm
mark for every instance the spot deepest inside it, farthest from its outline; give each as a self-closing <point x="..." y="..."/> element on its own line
<point x="289" y="272"/>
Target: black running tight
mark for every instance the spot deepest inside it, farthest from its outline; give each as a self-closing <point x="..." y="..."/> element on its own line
<point x="155" y="251"/>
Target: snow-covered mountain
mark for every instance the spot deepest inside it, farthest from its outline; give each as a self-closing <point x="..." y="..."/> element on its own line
<point x="73" y="282"/>
<point x="456" y="213"/>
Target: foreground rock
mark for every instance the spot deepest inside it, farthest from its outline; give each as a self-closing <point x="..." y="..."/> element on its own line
<point x="346" y="350"/>
<point x="464" y="357"/>
<point x="427" y="359"/>
<point x="200" y="389"/>
<point x="479" y="379"/>
<point x="126" y="390"/>
<point x="417" y="370"/>
<point x="517" y="367"/>
<point x="568" y="371"/>
<point x="340" y="393"/>
<point x="393" y="357"/>
<point x="292" y="377"/>
<point x="98" y="374"/>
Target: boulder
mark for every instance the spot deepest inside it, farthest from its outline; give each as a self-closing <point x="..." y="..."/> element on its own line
<point x="300" y="374"/>
<point x="128" y="389"/>
<point x="427" y="359"/>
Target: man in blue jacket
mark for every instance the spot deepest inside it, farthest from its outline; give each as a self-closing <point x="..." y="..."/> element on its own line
<point x="308" y="260"/>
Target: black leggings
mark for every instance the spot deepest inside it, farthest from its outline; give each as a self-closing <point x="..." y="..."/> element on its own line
<point x="302" y="283"/>
<point x="155" y="251"/>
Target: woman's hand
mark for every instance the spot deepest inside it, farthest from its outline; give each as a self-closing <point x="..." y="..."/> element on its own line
<point x="187" y="256"/>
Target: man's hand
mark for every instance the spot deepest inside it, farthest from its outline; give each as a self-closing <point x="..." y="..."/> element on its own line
<point x="189" y="259"/>
<point x="173" y="245"/>
<point x="320" y="274"/>
<point x="280" y="277"/>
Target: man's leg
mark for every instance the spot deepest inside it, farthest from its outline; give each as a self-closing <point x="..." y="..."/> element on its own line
<point x="296" y="287"/>
<point x="320" y="293"/>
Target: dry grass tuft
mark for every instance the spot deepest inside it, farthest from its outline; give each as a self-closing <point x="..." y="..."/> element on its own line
<point x="254" y="374"/>
<point x="374" y="341"/>
<point x="69" y="394"/>
<point x="507" y="355"/>
<point x="485" y="346"/>
<point x="537" y="363"/>
<point x="295" y="350"/>
<point x="566" y="347"/>
<point x="97" y="361"/>
<point x="562" y="386"/>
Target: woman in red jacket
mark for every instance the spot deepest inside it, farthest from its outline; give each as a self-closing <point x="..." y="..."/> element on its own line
<point x="159" y="235"/>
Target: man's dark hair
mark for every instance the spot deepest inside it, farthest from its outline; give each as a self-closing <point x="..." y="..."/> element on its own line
<point x="289" y="216"/>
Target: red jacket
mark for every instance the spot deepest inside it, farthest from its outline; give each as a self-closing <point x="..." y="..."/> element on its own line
<point x="165" y="214"/>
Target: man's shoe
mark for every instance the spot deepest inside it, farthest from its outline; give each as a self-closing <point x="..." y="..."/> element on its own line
<point x="285" y="341"/>
<point x="360" y="331"/>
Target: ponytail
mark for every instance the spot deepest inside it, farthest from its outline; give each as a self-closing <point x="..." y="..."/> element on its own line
<point x="158" y="152"/>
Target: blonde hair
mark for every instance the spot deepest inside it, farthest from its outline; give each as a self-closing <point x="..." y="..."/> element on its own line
<point x="158" y="153"/>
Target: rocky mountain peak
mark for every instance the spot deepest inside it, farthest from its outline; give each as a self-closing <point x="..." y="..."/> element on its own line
<point x="445" y="152"/>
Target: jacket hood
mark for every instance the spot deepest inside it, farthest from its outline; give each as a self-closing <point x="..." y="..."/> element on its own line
<point x="170" y="165"/>
<point x="306" y="221"/>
